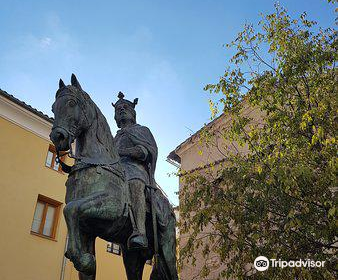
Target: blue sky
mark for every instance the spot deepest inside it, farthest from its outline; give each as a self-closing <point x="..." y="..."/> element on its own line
<point x="163" y="52"/>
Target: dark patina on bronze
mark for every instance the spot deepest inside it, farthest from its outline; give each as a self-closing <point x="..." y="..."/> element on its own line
<point x="107" y="187"/>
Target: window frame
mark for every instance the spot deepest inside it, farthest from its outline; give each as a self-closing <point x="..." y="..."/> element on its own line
<point x="52" y="149"/>
<point x="112" y="250"/>
<point x="53" y="203"/>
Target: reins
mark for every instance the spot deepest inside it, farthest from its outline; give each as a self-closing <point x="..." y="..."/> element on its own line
<point x="85" y="162"/>
<point x="64" y="166"/>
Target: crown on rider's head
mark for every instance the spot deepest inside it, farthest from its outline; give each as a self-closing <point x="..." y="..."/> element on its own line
<point x="120" y="95"/>
<point x="122" y="100"/>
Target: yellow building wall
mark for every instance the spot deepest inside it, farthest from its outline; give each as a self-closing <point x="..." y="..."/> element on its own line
<point x="24" y="176"/>
<point x="109" y="266"/>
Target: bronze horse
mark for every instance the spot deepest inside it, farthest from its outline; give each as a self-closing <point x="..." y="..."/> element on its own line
<point x="97" y="195"/>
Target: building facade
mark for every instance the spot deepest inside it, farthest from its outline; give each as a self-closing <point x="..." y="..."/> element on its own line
<point x="34" y="233"/>
<point x="195" y="155"/>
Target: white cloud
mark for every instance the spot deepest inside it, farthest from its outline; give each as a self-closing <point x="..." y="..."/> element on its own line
<point x="45" y="42"/>
<point x="56" y="42"/>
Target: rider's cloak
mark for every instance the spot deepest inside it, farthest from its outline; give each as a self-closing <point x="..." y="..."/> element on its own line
<point x="137" y="135"/>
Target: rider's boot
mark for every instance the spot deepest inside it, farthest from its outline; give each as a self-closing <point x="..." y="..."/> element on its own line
<point x="138" y="239"/>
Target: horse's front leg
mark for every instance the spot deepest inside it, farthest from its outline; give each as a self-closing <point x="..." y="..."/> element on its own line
<point x="70" y="213"/>
<point x="88" y="244"/>
<point x="97" y="206"/>
<point x="80" y="245"/>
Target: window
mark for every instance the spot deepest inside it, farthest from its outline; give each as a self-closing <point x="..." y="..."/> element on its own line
<point x="46" y="217"/>
<point x="51" y="159"/>
<point x="114" y="248"/>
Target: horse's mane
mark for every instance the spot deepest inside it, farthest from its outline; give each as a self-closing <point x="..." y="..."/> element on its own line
<point x="103" y="133"/>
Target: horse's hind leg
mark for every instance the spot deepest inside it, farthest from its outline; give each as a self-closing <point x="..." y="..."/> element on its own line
<point x="134" y="262"/>
<point x="166" y="268"/>
<point x="169" y="247"/>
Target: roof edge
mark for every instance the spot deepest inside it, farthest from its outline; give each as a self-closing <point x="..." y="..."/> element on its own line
<point x="26" y="106"/>
<point x="174" y="156"/>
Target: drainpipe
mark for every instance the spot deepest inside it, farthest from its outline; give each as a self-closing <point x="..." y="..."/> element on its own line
<point x="64" y="260"/>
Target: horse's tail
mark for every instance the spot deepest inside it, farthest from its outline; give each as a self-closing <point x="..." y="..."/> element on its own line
<point x="165" y="268"/>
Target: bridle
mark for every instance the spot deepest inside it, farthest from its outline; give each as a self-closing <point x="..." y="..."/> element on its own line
<point x="72" y="131"/>
<point x="72" y="134"/>
<point x="83" y="102"/>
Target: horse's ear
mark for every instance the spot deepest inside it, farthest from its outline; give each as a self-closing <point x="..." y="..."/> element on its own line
<point x="75" y="82"/>
<point x="61" y="84"/>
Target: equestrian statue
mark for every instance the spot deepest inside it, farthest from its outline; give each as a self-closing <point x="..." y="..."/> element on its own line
<point x="111" y="192"/>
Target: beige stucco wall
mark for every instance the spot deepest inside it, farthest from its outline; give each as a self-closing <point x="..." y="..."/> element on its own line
<point x="196" y="154"/>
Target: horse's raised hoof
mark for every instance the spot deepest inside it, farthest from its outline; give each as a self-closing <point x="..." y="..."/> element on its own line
<point x="87" y="264"/>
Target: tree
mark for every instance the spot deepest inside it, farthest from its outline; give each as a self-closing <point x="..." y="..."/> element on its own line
<point x="278" y="200"/>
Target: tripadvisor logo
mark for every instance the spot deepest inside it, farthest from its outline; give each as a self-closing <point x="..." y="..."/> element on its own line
<point x="262" y="263"/>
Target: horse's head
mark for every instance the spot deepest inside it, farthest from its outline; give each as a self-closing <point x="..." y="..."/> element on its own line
<point x="72" y="115"/>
